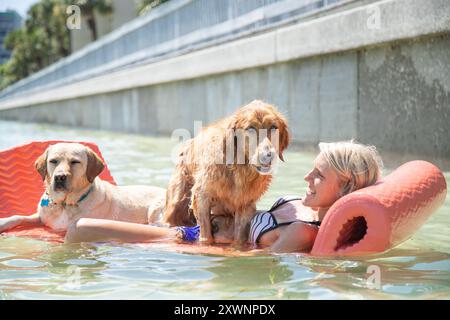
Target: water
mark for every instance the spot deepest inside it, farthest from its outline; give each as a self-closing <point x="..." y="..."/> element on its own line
<point x="33" y="269"/>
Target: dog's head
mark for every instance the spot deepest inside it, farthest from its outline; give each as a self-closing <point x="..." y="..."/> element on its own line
<point x="68" y="168"/>
<point x="260" y="133"/>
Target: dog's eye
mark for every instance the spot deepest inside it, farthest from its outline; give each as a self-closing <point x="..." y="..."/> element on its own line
<point x="74" y="162"/>
<point x="53" y="161"/>
<point x="273" y="127"/>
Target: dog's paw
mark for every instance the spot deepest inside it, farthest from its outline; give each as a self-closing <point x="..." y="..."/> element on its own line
<point x="206" y="240"/>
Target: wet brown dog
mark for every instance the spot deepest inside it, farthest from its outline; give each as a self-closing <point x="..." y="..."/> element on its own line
<point x="226" y="169"/>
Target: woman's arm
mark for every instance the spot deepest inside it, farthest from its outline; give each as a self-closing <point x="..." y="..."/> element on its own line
<point x="296" y="237"/>
<point x="15" y="221"/>
<point x="100" y="230"/>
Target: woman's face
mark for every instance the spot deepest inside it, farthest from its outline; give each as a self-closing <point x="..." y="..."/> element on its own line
<point x="323" y="185"/>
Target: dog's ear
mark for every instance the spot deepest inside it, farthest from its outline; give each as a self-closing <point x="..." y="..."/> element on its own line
<point x="285" y="138"/>
<point x="94" y="165"/>
<point x="41" y="164"/>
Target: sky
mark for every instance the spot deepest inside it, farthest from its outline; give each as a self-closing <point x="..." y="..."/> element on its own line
<point x="21" y="6"/>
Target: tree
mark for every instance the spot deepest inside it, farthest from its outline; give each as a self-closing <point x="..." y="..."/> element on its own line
<point x="43" y="40"/>
<point x="48" y="19"/>
<point x="146" y="5"/>
<point x="88" y="9"/>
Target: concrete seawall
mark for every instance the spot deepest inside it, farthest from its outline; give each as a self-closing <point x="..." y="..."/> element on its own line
<point x="388" y="87"/>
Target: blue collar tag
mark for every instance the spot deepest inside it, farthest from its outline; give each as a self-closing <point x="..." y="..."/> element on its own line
<point x="45" y="202"/>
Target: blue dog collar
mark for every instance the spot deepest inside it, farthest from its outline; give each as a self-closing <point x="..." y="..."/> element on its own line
<point x="45" y="202"/>
<point x="84" y="196"/>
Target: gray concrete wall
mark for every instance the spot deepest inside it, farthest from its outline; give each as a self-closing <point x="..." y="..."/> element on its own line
<point x="404" y="97"/>
<point x="396" y="96"/>
<point x="169" y="30"/>
<point x="334" y="77"/>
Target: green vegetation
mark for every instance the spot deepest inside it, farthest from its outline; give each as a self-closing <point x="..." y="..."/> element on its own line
<point x="45" y="38"/>
<point x="146" y="5"/>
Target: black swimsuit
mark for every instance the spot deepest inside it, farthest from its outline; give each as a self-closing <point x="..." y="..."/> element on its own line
<point x="265" y="221"/>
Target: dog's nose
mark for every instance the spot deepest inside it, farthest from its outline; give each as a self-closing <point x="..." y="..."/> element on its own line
<point x="60" y="178"/>
<point x="269" y="154"/>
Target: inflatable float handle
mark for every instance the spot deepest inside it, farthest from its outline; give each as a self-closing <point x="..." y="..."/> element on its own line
<point x="379" y="217"/>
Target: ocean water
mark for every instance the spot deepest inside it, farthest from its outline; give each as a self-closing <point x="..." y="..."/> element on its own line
<point x="34" y="269"/>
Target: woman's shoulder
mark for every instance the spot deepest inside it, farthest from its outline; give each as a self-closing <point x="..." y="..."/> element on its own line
<point x="284" y="199"/>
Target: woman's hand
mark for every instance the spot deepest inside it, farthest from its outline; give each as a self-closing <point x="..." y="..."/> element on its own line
<point x="15" y="221"/>
<point x="9" y="223"/>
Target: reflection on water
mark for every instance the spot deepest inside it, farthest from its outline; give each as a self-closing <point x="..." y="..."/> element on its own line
<point x="32" y="269"/>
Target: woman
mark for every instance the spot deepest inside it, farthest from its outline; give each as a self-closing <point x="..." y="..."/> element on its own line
<point x="290" y="225"/>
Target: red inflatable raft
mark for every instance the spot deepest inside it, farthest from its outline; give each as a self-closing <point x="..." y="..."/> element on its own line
<point x="379" y="217"/>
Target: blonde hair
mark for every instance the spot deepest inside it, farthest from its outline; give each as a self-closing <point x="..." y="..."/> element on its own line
<point x="357" y="165"/>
